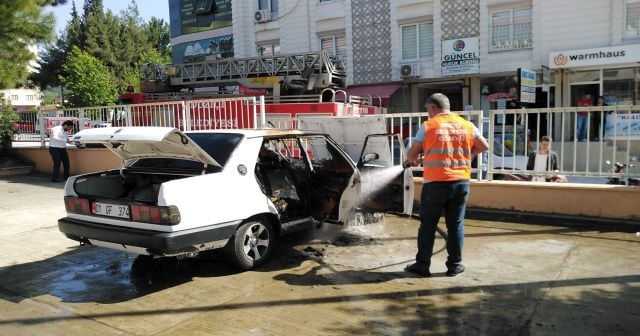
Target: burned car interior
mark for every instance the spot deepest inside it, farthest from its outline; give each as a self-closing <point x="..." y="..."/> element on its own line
<point x="302" y="176"/>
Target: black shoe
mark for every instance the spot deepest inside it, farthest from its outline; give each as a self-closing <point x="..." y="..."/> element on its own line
<point x="455" y="270"/>
<point x="418" y="269"/>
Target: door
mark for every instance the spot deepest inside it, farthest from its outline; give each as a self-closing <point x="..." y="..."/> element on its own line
<point x="334" y="180"/>
<point x="386" y="186"/>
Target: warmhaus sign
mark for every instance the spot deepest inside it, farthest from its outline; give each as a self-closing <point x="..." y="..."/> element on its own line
<point x="595" y="56"/>
<point x="460" y="56"/>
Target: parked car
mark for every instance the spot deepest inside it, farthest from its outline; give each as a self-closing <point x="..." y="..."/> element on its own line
<point x="24" y="127"/>
<point x="179" y="194"/>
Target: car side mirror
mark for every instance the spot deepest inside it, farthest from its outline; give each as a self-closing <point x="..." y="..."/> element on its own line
<point x="370" y="157"/>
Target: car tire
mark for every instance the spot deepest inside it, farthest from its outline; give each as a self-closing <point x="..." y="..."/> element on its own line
<point x="251" y="244"/>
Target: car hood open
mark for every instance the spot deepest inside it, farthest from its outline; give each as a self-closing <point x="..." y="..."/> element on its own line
<point x="131" y="143"/>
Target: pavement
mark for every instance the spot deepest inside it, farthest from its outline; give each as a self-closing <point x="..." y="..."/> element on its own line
<point x="521" y="279"/>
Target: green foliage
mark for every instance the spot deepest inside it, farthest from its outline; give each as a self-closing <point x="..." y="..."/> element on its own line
<point x="7" y="118"/>
<point x="22" y="25"/>
<point x="88" y="79"/>
<point x="122" y="42"/>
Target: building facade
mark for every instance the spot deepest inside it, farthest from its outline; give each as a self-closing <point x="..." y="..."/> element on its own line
<point x="404" y="50"/>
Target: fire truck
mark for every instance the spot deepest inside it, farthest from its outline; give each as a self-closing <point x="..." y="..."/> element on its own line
<point x="294" y="85"/>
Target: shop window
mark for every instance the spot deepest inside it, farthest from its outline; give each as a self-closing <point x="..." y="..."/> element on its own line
<point x="417" y="41"/>
<point x="269" y="49"/>
<point x="619" y="85"/>
<point x="335" y="46"/>
<point x="511" y="29"/>
<point x="270" y="5"/>
<point x="584" y="76"/>
<point x="632" y="22"/>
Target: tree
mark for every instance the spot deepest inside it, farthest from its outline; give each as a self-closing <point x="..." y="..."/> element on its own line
<point x="88" y="79"/>
<point x="7" y="118"/>
<point x="22" y="26"/>
<point x="121" y="42"/>
<point x="158" y="34"/>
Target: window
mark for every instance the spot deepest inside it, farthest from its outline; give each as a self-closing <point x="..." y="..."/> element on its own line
<point x="334" y="46"/>
<point x="269" y="49"/>
<point x="511" y="29"/>
<point x="14" y="97"/>
<point x="270" y="5"/>
<point x="30" y="97"/>
<point x="632" y="23"/>
<point x="417" y="41"/>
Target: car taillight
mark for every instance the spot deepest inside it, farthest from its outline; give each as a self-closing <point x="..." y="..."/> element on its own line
<point x="77" y="205"/>
<point x="162" y="215"/>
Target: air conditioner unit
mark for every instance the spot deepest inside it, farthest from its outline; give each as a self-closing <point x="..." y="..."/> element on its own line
<point x="263" y="15"/>
<point x="410" y="70"/>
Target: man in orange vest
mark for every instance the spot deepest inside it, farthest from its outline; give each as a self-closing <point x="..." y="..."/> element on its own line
<point x="447" y="143"/>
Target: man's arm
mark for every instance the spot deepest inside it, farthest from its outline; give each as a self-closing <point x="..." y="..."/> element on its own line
<point x="480" y="145"/>
<point x="414" y="151"/>
<point x="59" y="134"/>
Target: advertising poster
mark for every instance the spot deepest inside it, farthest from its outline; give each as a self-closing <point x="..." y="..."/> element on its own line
<point x="208" y="49"/>
<point x="527" y="87"/>
<point x="622" y="126"/>
<point x="460" y="56"/>
<point x="195" y="15"/>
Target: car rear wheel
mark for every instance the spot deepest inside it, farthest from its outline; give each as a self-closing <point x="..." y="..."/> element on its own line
<point x="251" y="245"/>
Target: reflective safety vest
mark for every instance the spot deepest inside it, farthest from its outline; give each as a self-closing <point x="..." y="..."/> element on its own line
<point x="447" y="148"/>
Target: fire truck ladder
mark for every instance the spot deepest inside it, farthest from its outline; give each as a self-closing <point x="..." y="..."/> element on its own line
<point x="316" y="70"/>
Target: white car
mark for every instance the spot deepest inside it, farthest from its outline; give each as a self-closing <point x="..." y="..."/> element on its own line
<point x="178" y="194"/>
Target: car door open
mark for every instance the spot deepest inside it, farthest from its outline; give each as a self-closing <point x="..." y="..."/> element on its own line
<point x="386" y="185"/>
<point x="334" y="179"/>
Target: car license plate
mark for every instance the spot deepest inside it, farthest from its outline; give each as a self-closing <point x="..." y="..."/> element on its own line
<point x="111" y="210"/>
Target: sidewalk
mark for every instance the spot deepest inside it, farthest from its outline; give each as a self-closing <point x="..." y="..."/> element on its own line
<point x="520" y="280"/>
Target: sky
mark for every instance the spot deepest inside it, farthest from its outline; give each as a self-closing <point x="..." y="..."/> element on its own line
<point x="147" y="8"/>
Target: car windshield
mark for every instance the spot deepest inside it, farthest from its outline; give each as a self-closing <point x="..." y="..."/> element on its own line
<point x="218" y="145"/>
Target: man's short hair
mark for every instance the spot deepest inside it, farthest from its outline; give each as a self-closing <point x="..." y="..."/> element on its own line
<point x="68" y="123"/>
<point x="546" y="138"/>
<point x="439" y="100"/>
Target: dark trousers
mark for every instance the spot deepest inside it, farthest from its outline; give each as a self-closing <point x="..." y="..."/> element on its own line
<point x="59" y="155"/>
<point x="450" y="197"/>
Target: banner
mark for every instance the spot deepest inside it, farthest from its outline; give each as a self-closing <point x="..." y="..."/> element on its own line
<point x="625" y="126"/>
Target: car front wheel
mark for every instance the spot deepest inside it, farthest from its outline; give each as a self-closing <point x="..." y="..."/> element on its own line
<point x="251" y="245"/>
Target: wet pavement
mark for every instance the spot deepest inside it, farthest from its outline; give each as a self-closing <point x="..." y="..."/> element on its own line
<point x="520" y="280"/>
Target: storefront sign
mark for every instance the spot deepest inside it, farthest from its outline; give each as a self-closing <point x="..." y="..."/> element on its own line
<point x="595" y="56"/>
<point x="527" y="85"/>
<point x="460" y="56"/>
<point x="622" y="126"/>
<point x="194" y="20"/>
<point x="546" y="78"/>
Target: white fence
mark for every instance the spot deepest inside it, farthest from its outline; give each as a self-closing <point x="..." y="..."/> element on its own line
<point x="513" y="134"/>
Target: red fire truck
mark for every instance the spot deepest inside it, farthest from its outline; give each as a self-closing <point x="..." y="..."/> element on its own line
<point x="171" y="94"/>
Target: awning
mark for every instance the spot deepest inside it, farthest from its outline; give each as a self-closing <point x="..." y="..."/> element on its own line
<point x="375" y="91"/>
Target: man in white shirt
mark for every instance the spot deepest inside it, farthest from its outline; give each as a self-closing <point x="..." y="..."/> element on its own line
<point x="544" y="162"/>
<point x="58" y="149"/>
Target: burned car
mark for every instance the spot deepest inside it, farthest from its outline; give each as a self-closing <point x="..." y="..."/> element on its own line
<point x="178" y="194"/>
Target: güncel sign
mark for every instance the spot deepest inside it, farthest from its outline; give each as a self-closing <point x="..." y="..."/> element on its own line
<point x="595" y="56"/>
<point x="460" y="56"/>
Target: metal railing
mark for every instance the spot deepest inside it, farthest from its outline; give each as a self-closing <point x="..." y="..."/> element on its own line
<point x="611" y="134"/>
<point x="512" y="134"/>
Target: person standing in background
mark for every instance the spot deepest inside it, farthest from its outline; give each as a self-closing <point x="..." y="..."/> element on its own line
<point x="58" y="149"/>
<point x="583" y="117"/>
<point x="447" y="143"/>
<point x="602" y="116"/>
